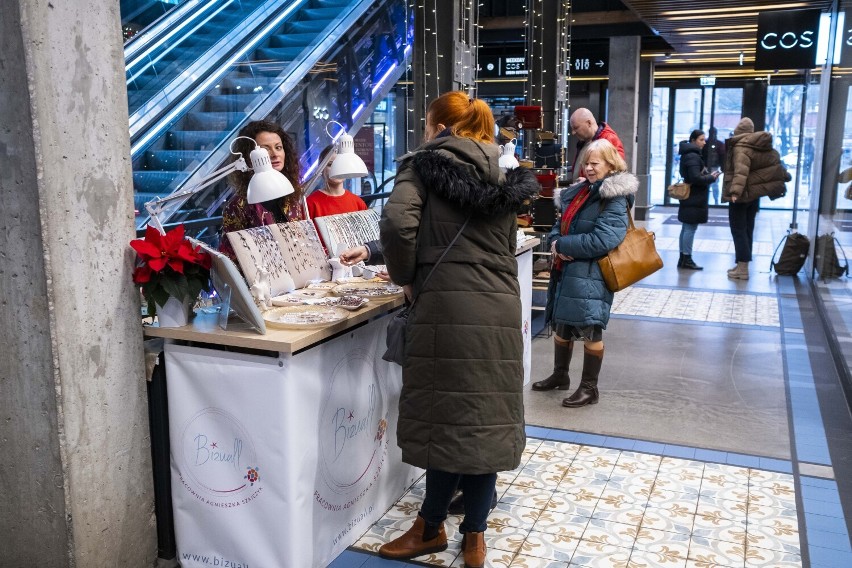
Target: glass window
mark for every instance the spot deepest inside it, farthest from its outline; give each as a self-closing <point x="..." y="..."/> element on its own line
<point x="659" y="134"/>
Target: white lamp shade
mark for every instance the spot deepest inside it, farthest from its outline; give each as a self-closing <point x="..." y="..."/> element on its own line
<point x="347" y="164"/>
<point x="266" y="183"/>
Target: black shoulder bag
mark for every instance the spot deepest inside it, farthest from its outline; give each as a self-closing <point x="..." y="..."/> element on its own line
<point x="396" y="327"/>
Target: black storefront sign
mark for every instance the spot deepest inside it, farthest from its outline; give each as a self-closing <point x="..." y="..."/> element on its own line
<point x="787" y="39"/>
<point x="509" y="66"/>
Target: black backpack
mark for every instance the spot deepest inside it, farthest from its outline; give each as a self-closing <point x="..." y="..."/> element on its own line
<point x="793" y="255"/>
<point x="826" y="260"/>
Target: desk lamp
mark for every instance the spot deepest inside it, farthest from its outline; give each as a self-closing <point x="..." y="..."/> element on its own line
<point x="265" y="184"/>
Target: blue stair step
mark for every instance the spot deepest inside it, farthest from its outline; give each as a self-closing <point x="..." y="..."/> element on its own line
<point x="314" y="26"/>
<point x="319" y="13"/>
<point x="221" y="121"/>
<point x="277" y="53"/>
<point x="152" y="181"/>
<point x="192" y="139"/>
<point x="173" y="160"/>
<point x="231" y="103"/>
<point x="291" y="40"/>
<point x="250" y="84"/>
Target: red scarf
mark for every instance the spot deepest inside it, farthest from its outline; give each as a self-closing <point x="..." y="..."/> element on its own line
<point x="568" y="216"/>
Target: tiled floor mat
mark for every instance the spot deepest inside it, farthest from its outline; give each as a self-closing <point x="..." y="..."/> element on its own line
<point x="676" y="303"/>
<point x="575" y="505"/>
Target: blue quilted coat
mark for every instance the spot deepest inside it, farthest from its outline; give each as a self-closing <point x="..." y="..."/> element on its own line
<point x="577" y="295"/>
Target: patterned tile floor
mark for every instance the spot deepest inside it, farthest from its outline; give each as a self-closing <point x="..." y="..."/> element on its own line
<point x="576" y="505"/>
<point x="679" y="303"/>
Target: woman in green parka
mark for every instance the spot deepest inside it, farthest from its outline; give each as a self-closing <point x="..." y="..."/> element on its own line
<point x="593" y="222"/>
<point x="461" y="412"/>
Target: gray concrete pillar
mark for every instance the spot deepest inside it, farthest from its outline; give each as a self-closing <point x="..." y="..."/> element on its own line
<point x="643" y="136"/>
<point x="75" y="475"/>
<point x="444" y="55"/>
<point x="623" y="97"/>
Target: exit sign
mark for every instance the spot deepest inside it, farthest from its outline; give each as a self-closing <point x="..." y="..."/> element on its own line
<point x="708" y="81"/>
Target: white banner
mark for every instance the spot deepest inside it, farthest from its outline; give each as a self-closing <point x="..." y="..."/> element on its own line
<point x="282" y="462"/>
<point x="525" y="270"/>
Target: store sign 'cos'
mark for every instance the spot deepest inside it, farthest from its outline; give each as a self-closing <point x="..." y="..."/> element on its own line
<point x="788" y="40"/>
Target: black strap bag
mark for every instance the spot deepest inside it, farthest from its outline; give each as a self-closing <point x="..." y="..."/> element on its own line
<point x="826" y="260"/>
<point x="793" y="255"/>
<point x="395" y="340"/>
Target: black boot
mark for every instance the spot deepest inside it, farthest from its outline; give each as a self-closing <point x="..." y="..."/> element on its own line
<point x="587" y="393"/>
<point x="561" y="361"/>
<point x="687" y="262"/>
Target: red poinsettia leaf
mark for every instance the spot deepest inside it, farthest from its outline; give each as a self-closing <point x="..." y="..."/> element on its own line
<point x="159" y="263"/>
<point x="176" y="264"/>
<point x="187" y="252"/>
<point x="173" y="240"/>
<point x="145" y="250"/>
<point x="206" y="260"/>
<point x="142" y="274"/>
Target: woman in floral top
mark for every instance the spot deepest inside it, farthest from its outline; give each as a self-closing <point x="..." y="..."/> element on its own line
<point x="238" y="213"/>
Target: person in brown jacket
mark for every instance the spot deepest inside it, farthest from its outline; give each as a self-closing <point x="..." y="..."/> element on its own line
<point x="752" y="169"/>
<point x="461" y="409"/>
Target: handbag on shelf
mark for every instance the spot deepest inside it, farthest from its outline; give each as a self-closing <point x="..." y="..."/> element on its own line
<point x="631" y="261"/>
<point x="679" y="190"/>
<point x="395" y="339"/>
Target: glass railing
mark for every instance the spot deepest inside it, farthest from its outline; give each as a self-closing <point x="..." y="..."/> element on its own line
<point x="317" y="59"/>
<point x="138" y="15"/>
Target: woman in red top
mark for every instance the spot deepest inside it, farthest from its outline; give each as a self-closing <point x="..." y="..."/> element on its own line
<point x="332" y="199"/>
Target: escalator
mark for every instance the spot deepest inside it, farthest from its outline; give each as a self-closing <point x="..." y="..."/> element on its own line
<point x="305" y="62"/>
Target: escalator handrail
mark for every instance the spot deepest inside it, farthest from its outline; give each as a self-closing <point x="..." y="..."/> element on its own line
<point x="163" y="28"/>
<point x="203" y="66"/>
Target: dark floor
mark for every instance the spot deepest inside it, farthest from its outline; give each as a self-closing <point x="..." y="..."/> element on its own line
<point x="714" y="374"/>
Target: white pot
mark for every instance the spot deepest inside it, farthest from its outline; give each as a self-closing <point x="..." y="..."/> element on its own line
<point x="175" y="313"/>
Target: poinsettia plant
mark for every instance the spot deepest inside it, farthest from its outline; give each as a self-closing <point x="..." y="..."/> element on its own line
<point x="169" y="265"/>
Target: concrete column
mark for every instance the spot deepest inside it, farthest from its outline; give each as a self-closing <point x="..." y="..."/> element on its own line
<point x="623" y="98"/>
<point x="75" y="475"/>
<point x="443" y="55"/>
<point x="643" y="137"/>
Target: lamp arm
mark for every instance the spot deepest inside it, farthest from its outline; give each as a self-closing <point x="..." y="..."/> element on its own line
<point x="155" y="206"/>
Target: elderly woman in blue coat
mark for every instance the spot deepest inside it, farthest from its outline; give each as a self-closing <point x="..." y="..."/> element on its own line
<point x="593" y="222"/>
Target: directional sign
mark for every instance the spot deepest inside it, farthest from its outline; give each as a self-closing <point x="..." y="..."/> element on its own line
<point x="505" y="66"/>
<point x="589" y="60"/>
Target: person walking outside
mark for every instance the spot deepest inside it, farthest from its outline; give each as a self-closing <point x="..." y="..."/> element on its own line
<point x="693" y="210"/>
<point x="461" y="411"/>
<point x="752" y="169"/>
<point x="593" y="222"/>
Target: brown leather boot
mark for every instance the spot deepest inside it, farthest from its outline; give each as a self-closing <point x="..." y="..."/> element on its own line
<point x="473" y="548"/>
<point x="560" y="380"/>
<point x="588" y="391"/>
<point x="420" y="539"/>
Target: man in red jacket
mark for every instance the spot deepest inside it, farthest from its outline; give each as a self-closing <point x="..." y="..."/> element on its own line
<point x="586" y="128"/>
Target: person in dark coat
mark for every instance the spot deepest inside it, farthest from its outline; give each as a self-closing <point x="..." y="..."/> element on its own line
<point x="753" y="169"/>
<point x="461" y="410"/>
<point x="593" y="222"/>
<point x="713" y="154"/>
<point x="692" y="211"/>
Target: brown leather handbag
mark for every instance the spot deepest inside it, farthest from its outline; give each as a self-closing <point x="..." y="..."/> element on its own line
<point x="679" y="190"/>
<point x="631" y="261"/>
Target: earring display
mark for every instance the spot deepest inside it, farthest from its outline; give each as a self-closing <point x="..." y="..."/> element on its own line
<point x="346" y="230"/>
<point x="302" y="252"/>
<point x="257" y="250"/>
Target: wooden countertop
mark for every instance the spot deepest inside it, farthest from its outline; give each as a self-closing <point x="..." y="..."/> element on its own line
<point x="205" y="329"/>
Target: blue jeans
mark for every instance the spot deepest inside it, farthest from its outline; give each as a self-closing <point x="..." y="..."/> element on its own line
<point x="687" y="236"/>
<point x="477" y="490"/>
<point x="741" y="219"/>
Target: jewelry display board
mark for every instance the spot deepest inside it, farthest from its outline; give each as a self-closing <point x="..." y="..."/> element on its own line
<point x="340" y="232"/>
<point x="257" y="249"/>
<point x="302" y="252"/>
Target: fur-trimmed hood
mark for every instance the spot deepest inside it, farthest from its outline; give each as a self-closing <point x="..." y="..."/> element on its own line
<point x="617" y="185"/>
<point x="467" y="172"/>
